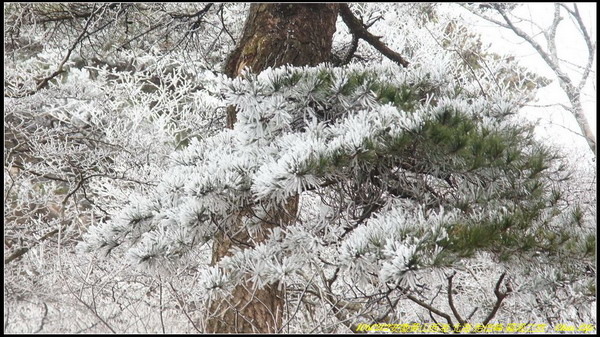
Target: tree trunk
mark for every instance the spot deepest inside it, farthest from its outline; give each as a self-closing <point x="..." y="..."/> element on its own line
<point x="274" y="35"/>
<point x="280" y="34"/>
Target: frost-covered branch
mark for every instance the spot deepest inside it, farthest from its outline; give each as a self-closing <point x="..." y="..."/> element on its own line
<point x="573" y="89"/>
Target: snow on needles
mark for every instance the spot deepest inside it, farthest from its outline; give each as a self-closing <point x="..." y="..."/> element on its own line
<point x="297" y="128"/>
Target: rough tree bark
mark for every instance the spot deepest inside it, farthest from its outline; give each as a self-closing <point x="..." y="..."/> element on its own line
<point x="274" y="35"/>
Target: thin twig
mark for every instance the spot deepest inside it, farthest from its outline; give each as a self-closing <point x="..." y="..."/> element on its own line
<point x="182" y="306"/>
<point x="220" y="11"/>
<point x="59" y="70"/>
<point x="160" y="310"/>
<point x="21" y="251"/>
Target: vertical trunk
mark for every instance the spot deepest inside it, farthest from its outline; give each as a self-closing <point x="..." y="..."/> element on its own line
<point x="274" y="35"/>
<point x="584" y="125"/>
<point x="280" y="34"/>
<point x="574" y="95"/>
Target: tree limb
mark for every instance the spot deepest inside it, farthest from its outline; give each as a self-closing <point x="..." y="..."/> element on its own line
<point x="500" y="296"/>
<point x="451" y="301"/>
<point x="431" y="309"/>
<point x="572" y="90"/>
<point x="358" y="29"/>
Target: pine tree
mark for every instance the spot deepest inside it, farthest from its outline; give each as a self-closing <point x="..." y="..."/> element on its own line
<point x="367" y="182"/>
<point x="406" y="171"/>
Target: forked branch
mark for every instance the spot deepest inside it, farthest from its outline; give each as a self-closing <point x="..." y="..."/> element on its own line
<point x="359" y="31"/>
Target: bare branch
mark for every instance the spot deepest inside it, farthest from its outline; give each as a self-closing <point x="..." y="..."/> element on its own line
<point x="550" y="34"/>
<point x="182" y="306"/>
<point x="161" y="308"/>
<point x="500" y="296"/>
<point x="472" y="313"/>
<point x="59" y="70"/>
<point x="550" y="56"/>
<point x="580" y="25"/>
<point x="545" y="56"/>
<point x="485" y="17"/>
<point x="220" y="12"/>
<point x="21" y="251"/>
<point x="358" y="29"/>
<point x="451" y="301"/>
<point x="431" y="309"/>
<point x="590" y="46"/>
